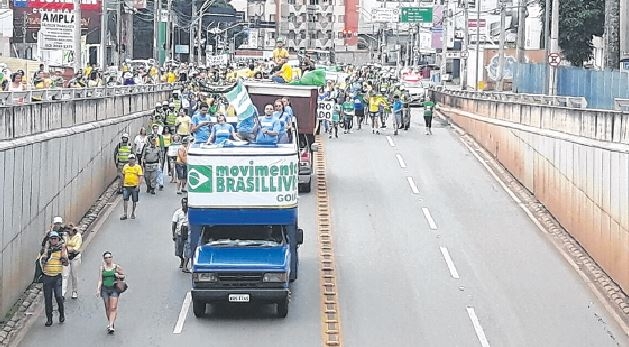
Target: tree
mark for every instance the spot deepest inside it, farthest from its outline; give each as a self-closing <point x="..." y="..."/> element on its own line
<point x="579" y="20"/>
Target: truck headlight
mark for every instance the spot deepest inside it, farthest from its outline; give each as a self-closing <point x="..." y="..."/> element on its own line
<point x="274" y="277"/>
<point x="204" y="277"/>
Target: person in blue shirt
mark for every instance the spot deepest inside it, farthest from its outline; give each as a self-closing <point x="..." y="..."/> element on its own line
<point x="359" y="109"/>
<point x="222" y="131"/>
<point x="269" y="127"/>
<point x="287" y="107"/>
<point x="285" y="119"/>
<point x="397" y="113"/>
<point x="201" y="124"/>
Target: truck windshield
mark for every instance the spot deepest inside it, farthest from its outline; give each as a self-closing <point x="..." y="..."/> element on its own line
<point x="243" y="236"/>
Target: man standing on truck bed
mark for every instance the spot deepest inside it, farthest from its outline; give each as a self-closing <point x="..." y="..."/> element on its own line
<point x="201" y="124"/>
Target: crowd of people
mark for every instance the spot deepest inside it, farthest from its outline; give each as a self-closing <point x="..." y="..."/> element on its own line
<point x="159" y="149"/>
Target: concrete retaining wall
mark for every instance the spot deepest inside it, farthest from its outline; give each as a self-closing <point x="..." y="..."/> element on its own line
<point x="575" y="161"/>
<point x="59" y="166"/>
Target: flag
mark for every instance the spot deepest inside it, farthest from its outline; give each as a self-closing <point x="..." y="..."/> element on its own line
<point x="239" y="98"/>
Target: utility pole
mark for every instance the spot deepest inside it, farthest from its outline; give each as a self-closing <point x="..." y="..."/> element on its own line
<point x="191" y="48"/>
<point x="119" y="39"/>
<point x="199" y="36"/>
<point x="476" y="62"/>
<point x="383" y="44"/>
<point x="24" y="34"/>
<point x="501" y="48"/>
<point x="128" y="31"/>
<point x="466" y="44"/>
<point x="77" y="35"/>
<point x="554" y="48"/>
<point x="443" y="66"/>
<point x="103" y="35"/>
<point x="521" y="31"/>
<point x="169" y="33"/>
<point x="156" y="13"/>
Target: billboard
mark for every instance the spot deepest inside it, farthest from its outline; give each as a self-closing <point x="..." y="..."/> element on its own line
<point x="27" y="23"/>
<point x="89" y="5"/>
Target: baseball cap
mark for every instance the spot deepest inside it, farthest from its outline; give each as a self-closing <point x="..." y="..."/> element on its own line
<point x="53" y="234"/>
<point x="131" y="156"/>
<point x="125" y="135"/>
<point x="57" y="220"/>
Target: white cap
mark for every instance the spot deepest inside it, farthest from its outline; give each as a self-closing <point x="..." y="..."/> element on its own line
<point x="57" y="220"/>
<point x="165" y="103"/>
<point x="158" y="104"/>
<point x="125" y="135"/>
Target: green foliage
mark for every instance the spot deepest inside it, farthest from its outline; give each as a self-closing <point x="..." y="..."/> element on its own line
<point x="579" y="20"/>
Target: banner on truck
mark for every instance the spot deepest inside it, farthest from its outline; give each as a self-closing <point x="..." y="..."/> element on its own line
<point x="245" y="182"/>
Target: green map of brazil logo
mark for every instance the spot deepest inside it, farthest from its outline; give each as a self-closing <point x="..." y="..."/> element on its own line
<point x="200" y="178"/>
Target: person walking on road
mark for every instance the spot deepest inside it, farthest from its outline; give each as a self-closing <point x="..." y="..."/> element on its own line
<point x="121" y="157"/>
<point x="182" y="166"/>
<point x="180" y="233"/>
<point x="152" y="163"/>
<point x="53" y="260"/>
<point x="428" y="108"/>
<point x="109" y="274"/>
<point x="132" y="180"/>
<point x="139" y="142"/>
<point x="73" y="246"/>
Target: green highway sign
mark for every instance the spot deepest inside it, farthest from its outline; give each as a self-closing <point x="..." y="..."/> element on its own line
<point x="416" y="15"/>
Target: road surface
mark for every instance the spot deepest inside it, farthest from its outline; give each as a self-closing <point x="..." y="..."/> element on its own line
<point x="430" y="252"/>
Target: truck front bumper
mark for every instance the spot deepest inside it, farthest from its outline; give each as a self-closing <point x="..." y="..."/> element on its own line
<point x="256" y="295"/>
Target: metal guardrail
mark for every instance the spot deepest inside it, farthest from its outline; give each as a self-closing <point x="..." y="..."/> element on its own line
<point x="621" y="105"/>
<point x="65" y="94"/>
<point x="561" y="101"/>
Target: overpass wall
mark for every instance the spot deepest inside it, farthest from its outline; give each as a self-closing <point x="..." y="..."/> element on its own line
<point x="56" y="159"/>
<point x="575" y="161"/>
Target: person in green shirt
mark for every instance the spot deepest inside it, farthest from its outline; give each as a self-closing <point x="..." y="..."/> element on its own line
<point x="348" y="114"/>
<point x="428" y="105"/>
<point x="336" y="115"/>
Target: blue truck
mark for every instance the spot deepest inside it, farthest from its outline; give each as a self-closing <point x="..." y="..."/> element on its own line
<point x="243" y="218"/>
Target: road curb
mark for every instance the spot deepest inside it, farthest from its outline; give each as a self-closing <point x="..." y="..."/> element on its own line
<point x="29" y="306"/>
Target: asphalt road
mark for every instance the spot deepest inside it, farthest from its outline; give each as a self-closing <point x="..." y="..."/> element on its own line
<point x="430" y="251"/>
<point x="149" y="310"/>
<point x="401" y="207"/>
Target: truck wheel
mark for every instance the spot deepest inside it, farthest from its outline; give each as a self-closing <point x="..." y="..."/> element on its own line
<point x="282" y="308"/>
<point x="308" y="186"/>
<point x="198" y="308"/>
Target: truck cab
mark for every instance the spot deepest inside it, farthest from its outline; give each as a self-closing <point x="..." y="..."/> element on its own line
<point x="243" y="218"/>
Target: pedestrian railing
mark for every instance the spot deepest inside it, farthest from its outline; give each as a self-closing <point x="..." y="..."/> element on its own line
<point x="561" y="101"/>
<point x="61" y="94"/>
<point x="621" y="105"/>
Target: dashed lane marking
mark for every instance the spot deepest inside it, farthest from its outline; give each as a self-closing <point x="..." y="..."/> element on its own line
<point x="449" y="262"/>
<point x="400" y="161"/>
<point x="390" y="140"/>
<point x="480" y="333"/>
<point x="411" y="183"/>
<point x="330" y="315"/>
<point x="431" y="222"/>
<point x="183" y="313"/>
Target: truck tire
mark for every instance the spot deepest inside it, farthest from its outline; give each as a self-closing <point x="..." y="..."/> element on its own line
<point x="307" y="187"/>
<point x="295" y="274"/>
<point x="199" y="308"/>
<point x="282" y="308"/>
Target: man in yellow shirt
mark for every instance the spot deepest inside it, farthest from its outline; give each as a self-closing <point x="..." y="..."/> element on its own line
<point x="285" y="74"/>
<point x="170" y="77"/>
<point x="279" y="53"/>
<point x="52" y="261"/>
<point x="132" y="178"/>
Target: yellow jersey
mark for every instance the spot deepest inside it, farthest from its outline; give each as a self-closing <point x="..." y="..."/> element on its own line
<point x="131" y="175"/>
<point x="54" y="266"/>
<point x="279" y="53"/>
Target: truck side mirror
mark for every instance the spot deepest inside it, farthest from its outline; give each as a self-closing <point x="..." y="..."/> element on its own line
<point x="300" y="236"/>
<point x="314" y="147"/>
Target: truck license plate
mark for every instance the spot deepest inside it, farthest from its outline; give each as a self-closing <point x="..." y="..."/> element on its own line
<point x="238" y="297"/>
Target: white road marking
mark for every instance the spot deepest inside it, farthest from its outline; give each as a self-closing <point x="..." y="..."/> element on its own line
<point x="480" y="333"/>
<point x="449" y="262"/>
<point x="431" y="222"/>
<point x="390" y="140"/>
<point x="400" y="160"/>
<point x="183" y="313"/>
<point x="411" y="183"/>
